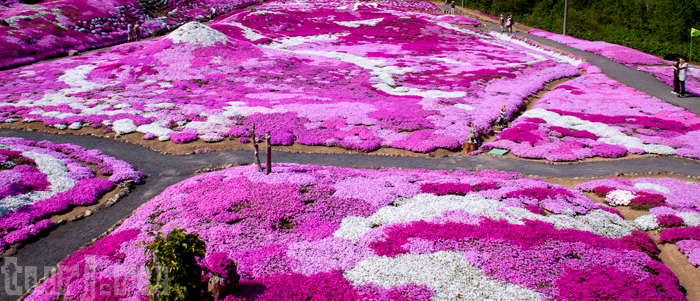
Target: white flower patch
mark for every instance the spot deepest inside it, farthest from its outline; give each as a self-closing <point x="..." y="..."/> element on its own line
<point x="124" y="126"/>
<point x="619" y="197"/>
<point x="427" y="206"/>
<point x="356" y="24"/>
<point x="158" y="128"/>
<point x="690" y="219"/>
<point x="55" y="171"/>
<point x="647" y="222"/>
<point x="197" y="33"/>
<point x="448" y="273"/>
<point x="464" y="106"/>
<point x="609" y="134"/>
<point x="652" y="186"/>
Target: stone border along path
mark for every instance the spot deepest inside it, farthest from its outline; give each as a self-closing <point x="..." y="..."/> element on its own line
<point x="165" y="170"/>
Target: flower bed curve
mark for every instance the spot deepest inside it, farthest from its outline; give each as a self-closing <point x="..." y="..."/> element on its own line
<point x="328" y="233"/>
<point x="39" y="179"/>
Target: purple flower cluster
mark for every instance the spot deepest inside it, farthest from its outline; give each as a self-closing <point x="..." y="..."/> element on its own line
<point x="283" y="229"/>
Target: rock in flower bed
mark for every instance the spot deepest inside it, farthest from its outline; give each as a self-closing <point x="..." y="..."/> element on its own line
<point x="30" y="33"/>
<point x="358" y="75"/>
<point x="39" y="179"/>
<point x="594" y="115"/>
<point x="328" y="233"/>
<point x="672" y="203"/>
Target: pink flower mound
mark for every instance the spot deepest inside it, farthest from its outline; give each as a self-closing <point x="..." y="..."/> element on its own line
<point x="564" y="125"/>
<point x="612" y="284"/>
<point x="620" y="54"/>
<point x="20" y="180"/>
<point x="669" y="220"/>
<point x="681" y="195"/>
<point x="181" y="138"/>
<point x="328" y="286"/>
<point x="446" y="188"/>
<point x="672" y="235"/>
<point x="285" y="232"/>
<point x="320" y="83"/>
<point x="25" y="217"/>
<point x="691" y="249"/>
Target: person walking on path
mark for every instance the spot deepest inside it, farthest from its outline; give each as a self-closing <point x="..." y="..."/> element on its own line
<point x="682" y="75"/>
<point x="503" y="23"/>
<point x="676" y="82"/>
<point x="452" y="8"/>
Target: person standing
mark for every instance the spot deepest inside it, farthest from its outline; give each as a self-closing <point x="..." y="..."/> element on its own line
<point x="509" y="23"/>
<point x="128" y="33"/>
<point x="682" y="76"/>
<point x="213" y="12"/>
<point x="503" y="23"/>
<point x="676" y="82"/>
<point x="452" y="8"/>
<point x="137" y="32"/>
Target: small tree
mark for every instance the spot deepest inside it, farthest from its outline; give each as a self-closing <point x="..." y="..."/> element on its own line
<point x="175" y="258"/>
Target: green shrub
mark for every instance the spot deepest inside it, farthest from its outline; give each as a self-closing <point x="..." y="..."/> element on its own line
<point x="173" y="266"/>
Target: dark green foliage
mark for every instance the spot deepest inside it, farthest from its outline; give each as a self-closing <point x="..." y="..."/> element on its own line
<point x="175" y="257"/>
<point x="653" y="26"/>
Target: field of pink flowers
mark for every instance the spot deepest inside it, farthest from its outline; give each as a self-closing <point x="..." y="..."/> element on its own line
<point x="358" y="75"/>
<point x="673" y="205"/>
<point x="594" y="115"/>
<point x="633" y="58"/>
<point x="328" y="233"/>
<point x="30" y="33"/>
<point x="39" y="179"/>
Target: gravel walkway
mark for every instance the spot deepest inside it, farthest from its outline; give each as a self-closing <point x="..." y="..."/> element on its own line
<point x="165" y="170"/>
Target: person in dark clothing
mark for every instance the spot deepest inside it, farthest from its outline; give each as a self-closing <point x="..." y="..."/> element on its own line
<point x="452" y="8"/>
<point x="676" y="82"/>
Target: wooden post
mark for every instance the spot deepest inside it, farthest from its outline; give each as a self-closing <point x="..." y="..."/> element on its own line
<point x="690" y="58"/>
<point x="268" y="154"/>
<point x="256" y="152"/>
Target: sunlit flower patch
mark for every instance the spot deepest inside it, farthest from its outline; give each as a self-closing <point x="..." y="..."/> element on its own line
<point x="327" y="233"/>
<point x="671" y="203"/>
<point x="35" y="32"/>
<point x="39" y="179"/>
<point x="593" y="115"/>
<point x="358" y="75"/>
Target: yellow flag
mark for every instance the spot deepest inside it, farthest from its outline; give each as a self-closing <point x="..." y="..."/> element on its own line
<point x="694" y="32"/>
